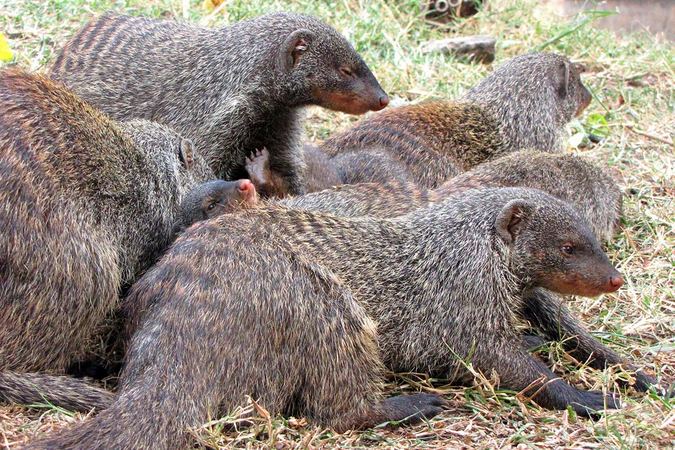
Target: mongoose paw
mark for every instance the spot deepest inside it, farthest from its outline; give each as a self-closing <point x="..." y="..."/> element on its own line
<point x="643" y="382"/>
<point x="257" y="165"/>
<point x="591" y="403"/>
<point x="531" y="341"/>
<point x="412" y="409"/>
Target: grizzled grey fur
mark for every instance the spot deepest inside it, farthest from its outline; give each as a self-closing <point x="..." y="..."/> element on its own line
<point x="88" y="204"/>
<point x="231" y="90"/>
<point x="532" y="97"/>
<point x="524" y="104"/>
<point x="444" y="283"/>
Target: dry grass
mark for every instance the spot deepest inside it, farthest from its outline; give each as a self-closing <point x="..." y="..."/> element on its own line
<point x="632" y="80"/>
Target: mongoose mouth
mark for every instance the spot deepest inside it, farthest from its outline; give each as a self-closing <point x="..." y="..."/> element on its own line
<point x="577" y="285"/>
<point x="352" y="103"/>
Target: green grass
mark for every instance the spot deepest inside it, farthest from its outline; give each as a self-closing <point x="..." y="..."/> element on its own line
<point x="632" y="81"/>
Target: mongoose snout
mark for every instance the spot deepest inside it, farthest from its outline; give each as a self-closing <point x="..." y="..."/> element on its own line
<point x="563" y="254"/>
<point x="352" y="89"/>
<point x="584" y="94"/>
<point x="214" y="198"/>
<point x="247" y="191"/>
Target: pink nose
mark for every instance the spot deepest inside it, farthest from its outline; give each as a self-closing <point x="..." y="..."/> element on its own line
<point x="615" y="282"/>
<point x="245" y="186"/>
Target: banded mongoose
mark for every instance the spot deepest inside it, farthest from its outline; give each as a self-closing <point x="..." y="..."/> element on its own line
<point x="213" y="198"/>
<point x="444" y="283"/>
<point x="323" y="172"/>
<point x="231" y="90"/>
<point x="86" y="205"/>
<point x="205" y="201"/>
<point x="592" y="193"/>
<point x="524" y="104"/>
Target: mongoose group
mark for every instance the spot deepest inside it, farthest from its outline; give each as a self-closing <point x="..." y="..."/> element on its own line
<point x="161" y="209"/>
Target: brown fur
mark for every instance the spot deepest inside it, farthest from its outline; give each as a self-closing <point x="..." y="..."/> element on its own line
<point x="87" y="203"/>
<point x="524" y="104"/>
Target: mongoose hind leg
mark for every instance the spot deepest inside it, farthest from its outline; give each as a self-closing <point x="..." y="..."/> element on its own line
<point x="546" y="311"/>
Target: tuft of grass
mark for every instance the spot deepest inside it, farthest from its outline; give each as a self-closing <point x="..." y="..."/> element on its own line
<point x="632" y="80"/>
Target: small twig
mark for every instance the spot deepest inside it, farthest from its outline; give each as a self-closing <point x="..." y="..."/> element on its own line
<point x="650" y="136"/>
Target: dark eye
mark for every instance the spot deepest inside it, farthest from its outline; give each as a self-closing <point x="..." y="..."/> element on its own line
<point x="211" y="206"/>
<point x="346" y="72"/>
<point x="567" y="249"/>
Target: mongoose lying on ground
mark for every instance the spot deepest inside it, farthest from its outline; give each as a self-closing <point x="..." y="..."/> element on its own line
<point x="323" y="172"/>
<point x="445" y="283"/>
<point x="593" y="194"/>
<point x="570" y="178"/>
<point x="230" y="90"/>
<point x="524" y="104"/>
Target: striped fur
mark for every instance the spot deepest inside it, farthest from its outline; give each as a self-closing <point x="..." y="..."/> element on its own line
<point x="278" y="303"/>
<point x="525" y="103"/>
<point x="86" y="205"/>
<point x="231" y="90"/>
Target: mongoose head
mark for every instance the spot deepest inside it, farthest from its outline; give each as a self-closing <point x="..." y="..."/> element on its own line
<point x="552" y="247"/>
<point x="175" y="154"/>
<point x="326" y="70"/>
<point x="213" y="198"/>
<point x="535" y="81"/>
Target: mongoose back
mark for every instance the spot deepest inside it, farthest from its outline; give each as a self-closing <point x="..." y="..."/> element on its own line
<point x="231" y="90"/>
<point x="523" y="104"/>
<point x="205" y="201"/>
<point x="593" y="193"/>
<point x="443" y="283"/>
<point x="86" y="203"/>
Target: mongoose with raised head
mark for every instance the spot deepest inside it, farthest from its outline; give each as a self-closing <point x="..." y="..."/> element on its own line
<point x="86" y="204"/>
<point x="230" y="90"/>
<point x="524" y="104"/>
<point x="444" y="283"/>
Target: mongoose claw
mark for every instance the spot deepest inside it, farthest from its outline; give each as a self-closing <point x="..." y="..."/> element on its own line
<point x="412" y="409"/>
<point x="592" y="403"/>
<point x="644" y="382"/>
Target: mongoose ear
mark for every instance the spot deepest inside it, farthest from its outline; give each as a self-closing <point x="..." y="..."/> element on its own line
<point x="295" y="45"/>
<point x="511" y="219"/>
<point x="579" y="67"/>
<point x="186" y="153"/>
<point x="563" y="79"/>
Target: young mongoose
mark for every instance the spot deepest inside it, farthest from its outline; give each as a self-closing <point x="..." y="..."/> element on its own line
<point x="230" y="90"/>
<point x="444" y="283"/>
<point x="86" y="204"/>
<point x="213" y="198"/>
<point x="524" y="104"/>
<point x="322" y="172"/>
